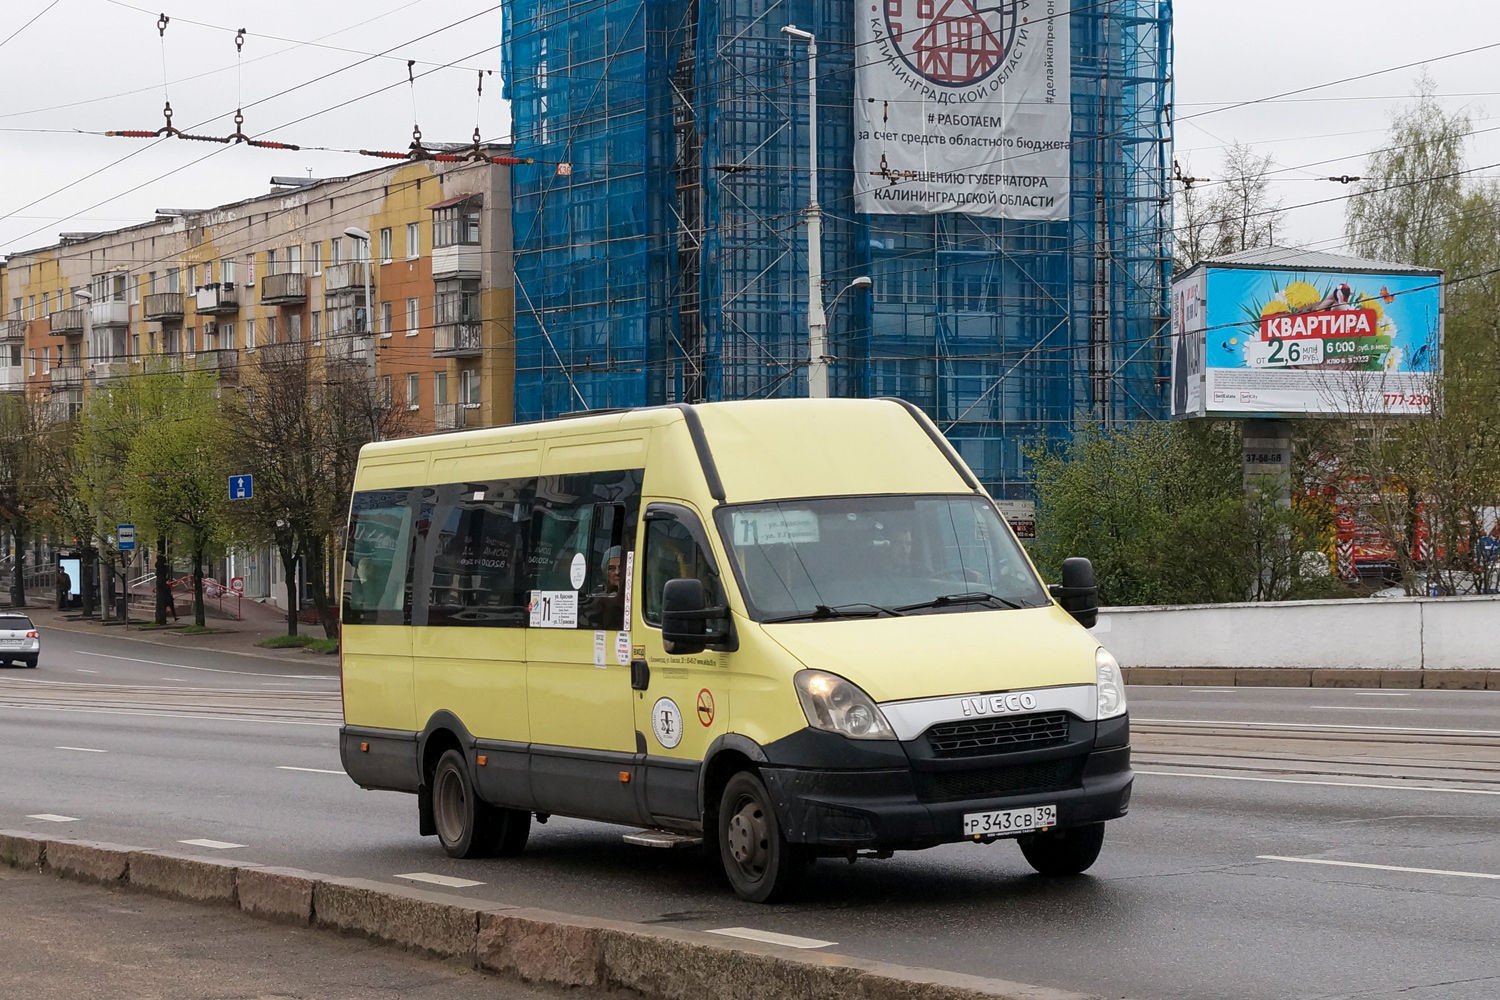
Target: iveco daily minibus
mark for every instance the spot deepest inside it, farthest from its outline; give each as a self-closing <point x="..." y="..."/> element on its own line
<point x="788" y="629"/>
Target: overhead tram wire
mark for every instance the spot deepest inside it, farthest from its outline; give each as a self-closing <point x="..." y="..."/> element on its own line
<point x="36" y="17"/>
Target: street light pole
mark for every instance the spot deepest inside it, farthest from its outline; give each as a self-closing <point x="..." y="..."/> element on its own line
<point x="817" y="319"/>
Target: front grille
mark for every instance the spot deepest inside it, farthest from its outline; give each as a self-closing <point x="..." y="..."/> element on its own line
<point x="978" y="737"/>
<point x="992" y="782"/>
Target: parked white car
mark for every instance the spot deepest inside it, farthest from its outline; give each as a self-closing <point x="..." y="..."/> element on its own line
<point x="19" y="640"/>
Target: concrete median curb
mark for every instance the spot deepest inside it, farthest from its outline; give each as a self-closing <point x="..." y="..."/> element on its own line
<point x="530" y="944"/>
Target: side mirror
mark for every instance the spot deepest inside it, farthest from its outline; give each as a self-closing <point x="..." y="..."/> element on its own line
<point x="685" y="615"/>
<point x="1078" y="594"/>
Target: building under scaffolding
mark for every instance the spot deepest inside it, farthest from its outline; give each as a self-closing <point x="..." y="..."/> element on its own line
<point x="660" y="251"/>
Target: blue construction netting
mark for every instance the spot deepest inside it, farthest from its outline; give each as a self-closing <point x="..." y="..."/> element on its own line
<point x="660" y="248"/>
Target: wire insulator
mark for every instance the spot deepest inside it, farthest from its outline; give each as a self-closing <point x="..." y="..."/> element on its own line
<point x="268" y="144"/>
<point x="384" y="155"/>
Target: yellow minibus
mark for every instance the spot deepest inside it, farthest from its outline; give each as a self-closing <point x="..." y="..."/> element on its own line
<point x="785" y="629"/>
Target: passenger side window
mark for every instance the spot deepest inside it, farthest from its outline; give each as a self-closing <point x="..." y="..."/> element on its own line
<point x="582" y="531"/>
<point x="672" y="552"/>
<point x="479" y="539"/>
<point x="376" y="572"/>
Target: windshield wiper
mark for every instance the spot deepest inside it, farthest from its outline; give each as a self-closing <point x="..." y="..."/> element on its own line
<point x="968" y="597"/>
<point x="822" y="612"/>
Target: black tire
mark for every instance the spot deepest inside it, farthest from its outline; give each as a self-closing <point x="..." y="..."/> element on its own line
<point x="1063" y="852"/>
<point x="467" y="826"/>
<point x="512" y="829"/>
<point x="762" y="866"/>
<point x="30" y="663"/>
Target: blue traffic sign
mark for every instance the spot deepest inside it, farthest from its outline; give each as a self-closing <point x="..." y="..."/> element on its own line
<point x="241" y="487"/>
<point x="125" y="537"/>
<point x="1489" y="548"/>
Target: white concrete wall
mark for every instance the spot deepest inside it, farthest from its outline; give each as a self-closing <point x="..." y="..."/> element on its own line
<point x="1409" y="633"/>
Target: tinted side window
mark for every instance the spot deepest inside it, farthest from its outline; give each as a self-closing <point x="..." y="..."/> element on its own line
<point x="376" y="573"/>
<point x="582" y="532"/>
<point x="478" y="544"/>
<point x="673" y="553"/>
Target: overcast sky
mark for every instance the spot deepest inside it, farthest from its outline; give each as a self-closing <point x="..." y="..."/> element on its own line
<point x="95" y="65"/>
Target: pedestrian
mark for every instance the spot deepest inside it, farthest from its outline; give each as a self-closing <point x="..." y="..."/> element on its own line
<point x="64" y="588"/>
<point x="171" y="599"/>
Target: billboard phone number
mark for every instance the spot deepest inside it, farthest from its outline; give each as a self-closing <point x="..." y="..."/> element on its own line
<point x="1407" y="399"/>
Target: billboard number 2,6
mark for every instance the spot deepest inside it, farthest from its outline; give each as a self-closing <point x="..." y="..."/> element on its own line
<point x="1278" y="353"/>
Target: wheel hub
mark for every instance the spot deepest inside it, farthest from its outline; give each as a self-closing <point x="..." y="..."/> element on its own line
<point x="448" y="807"/>
<point x="749" y="840"/>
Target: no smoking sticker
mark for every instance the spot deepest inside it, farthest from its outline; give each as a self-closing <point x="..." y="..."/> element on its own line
<point x="706" y="707"/>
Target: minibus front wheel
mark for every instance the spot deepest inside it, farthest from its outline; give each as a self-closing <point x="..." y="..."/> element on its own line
<point x="467" y="826"/>
<point x="762" y="866"/>
<point x="1064" y="852"/>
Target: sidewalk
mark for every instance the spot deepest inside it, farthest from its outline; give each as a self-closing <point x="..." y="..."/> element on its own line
<point x="67" y="941"/>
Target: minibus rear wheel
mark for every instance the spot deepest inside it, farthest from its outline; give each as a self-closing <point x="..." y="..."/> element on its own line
<point x="1063" y="852"/>
<point x="761" y="864"/>
<point x="468" y="827"/>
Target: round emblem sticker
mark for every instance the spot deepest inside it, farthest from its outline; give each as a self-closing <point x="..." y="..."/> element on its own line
<point x="578" y="571"/>
<point x="666" y="722"/>
<point x="953" y="44"/>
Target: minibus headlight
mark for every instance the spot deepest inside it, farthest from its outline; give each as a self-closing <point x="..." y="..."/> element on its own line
<point x="837" y="706"/>
<point x="1111" y="684"/>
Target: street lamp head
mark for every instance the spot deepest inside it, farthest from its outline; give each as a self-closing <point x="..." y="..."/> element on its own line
<point x="357" y="233"/>
<point x="863" y="281"/>
<point x="794" y="32"/>
<point x="85" y="295"/>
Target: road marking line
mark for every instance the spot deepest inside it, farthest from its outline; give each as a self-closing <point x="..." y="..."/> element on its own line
<point x="54" y="818"/>
<point x="83" y="671"/>
<point x="1317" y="726"/>
<point x="443" y="880"/>
<point x="1383" y="868"/>
<point x="165" y="715"/>
<point x="1363" y="708"/>
<point x="313" y="770"/>
<point x="1215" y="690"/>
<point x="209" y="670"/>
<point x="771" y="937"/>
<point x="81" y="749"/>
<point x="1382" y="694"/>
<point x="218" y="845"/>
<point x="1331" y="784"/>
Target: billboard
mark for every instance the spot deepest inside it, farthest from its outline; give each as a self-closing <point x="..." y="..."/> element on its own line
<point x="1285" y="342"/>
<point x="963" y="106"/>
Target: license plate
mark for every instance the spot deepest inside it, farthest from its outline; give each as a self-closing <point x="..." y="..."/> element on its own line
<point x="10" y="642"/>
<point x="1009" y="822"/>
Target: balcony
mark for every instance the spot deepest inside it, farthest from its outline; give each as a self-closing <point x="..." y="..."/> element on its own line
<point x="163" y="307"/>
<point x="349" y="348"/>
<point x="458" y="340"/>
<point x="225" y="361"/>
<point x="343" y="278"/>
<point x="219" y="299"/>
<point x="13" y="331"/>
<point x="288" y="289"/>
<point x="67" y="377"/>
<point x="457" y="261"/>
<point x="455" y="416"/>
<point x="109" y="313"/>
<point x="66" y="322"/>
<point x="103" y="371"/>
<point x="12" y="379"/>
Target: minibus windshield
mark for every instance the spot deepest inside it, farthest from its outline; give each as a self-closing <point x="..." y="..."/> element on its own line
<point x="874" y="556"/>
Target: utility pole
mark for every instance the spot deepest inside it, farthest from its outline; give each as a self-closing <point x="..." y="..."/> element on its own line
<point x="817" y="320"/>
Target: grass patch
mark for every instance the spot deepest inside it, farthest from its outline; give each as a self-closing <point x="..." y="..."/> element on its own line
<point x="288" y="641"/>
<point x="323" y="646"/>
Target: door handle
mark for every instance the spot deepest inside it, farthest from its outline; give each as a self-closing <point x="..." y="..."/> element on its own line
<point x="640" y="675"/>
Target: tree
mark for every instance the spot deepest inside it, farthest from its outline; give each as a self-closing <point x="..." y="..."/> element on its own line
<point x="23" y="422"/>
<point x="1228" y="214"/>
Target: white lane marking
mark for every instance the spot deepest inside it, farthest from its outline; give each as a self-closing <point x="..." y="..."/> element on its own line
<point x="443" y="880"/>
<point x="314" y="770"/>
<point x="81" y="749"/>
<point x="771" y="937"/>
<point x="83" y="671"/>
<point x="1382" y="694"/>
<point x="177" y="680"/>
<point x="208" y="670"/>
<point x="1215" y="690"/>
<point x="1382" y="868"/>
<point x="167" y="715"/>
<point x="1363" y="708"/>
<point x="53" y="818"/>
<point x="1330" y="784"/>
<point x="218" y="845"/>
<point x="1318" y="726"/>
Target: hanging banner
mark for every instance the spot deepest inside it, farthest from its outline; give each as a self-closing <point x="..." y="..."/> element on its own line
<point x="963" y="106"/>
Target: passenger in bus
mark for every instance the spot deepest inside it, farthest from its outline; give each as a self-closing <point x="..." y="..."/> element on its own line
<point x="606" y="608"/>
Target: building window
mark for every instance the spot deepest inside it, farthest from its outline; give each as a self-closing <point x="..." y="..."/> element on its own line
<point x="413" y="240"/>
<point x="468" y="387"/>
<point x="226" y="270"/>
<point x="335" y="250"/>
<point x="385" y="245"/>
<point x="30" y="307"/>
<point x="413" y="388"/>
<point x="135" y="291"/>
<point x="294" y="327"/>
<point x="31" y="363"/>
<point x="439" y="386"/>
<point x="315" y="327"/>
<point x="15" y="308"/>
<point x="270" y="329"/>
<point x="294" y="259"/>
<point x="135" y="345"/>
<point x="192" y="276"/>
<point x="385" y="319"/>
<point x="456" y="224"/>
<point x="413" y="325"/>
<point x="385" y="390"/>
<point x="174" y="280"/>
<point x="226" y="336"/>
<point x="457" y="301"/>
<point x="249" y="334"/>
<point x="317" y="258"/>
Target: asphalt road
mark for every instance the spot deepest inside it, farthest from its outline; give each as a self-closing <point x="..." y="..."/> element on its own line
<point x="1218" y="884"/>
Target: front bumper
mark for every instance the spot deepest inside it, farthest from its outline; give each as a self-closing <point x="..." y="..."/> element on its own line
<point x="922" y="803"/>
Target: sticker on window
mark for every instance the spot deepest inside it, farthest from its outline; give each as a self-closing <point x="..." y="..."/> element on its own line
<point x="554" y="609"/>
<point x="774" y="527"/>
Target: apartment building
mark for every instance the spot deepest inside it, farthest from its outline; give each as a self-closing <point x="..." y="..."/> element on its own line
<point x="426" y="300"/>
